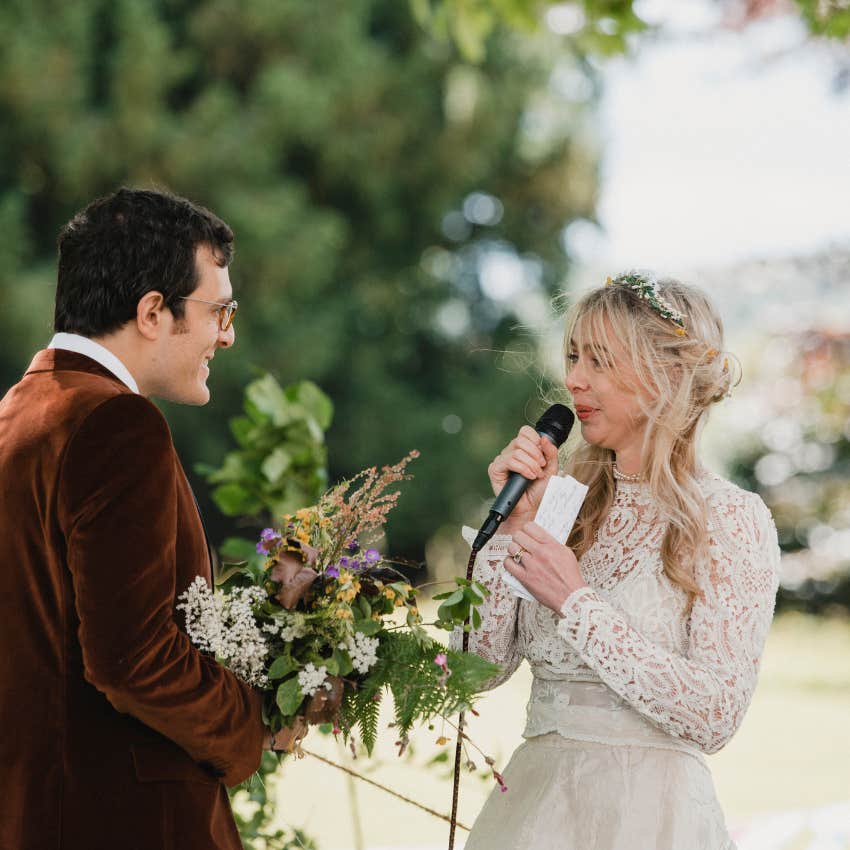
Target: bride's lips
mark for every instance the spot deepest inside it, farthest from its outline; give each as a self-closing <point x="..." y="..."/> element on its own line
<point x="584" y="412"/>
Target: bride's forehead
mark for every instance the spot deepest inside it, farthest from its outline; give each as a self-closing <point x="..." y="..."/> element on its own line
<point x="592" y="330"/>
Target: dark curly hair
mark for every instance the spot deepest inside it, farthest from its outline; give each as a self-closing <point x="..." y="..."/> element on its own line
<point x="127" y="244"/>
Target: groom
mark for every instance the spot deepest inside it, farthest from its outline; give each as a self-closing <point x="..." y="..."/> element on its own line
<point x="116" y="731"/>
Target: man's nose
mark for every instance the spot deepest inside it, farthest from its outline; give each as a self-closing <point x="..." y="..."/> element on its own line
<point x="227" y="338"/>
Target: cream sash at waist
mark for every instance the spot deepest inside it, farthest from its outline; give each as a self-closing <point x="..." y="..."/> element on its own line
<point x="591" y="711"/>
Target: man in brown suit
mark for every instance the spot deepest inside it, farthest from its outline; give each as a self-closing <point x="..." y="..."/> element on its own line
<point x="117" y="734"/>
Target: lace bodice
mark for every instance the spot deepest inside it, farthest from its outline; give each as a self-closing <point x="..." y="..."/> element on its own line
<point x="691" y="674"/>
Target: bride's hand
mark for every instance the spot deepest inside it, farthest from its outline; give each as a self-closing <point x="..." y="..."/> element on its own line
<point x="533" y="457"/>
<point x="549" y="570"/>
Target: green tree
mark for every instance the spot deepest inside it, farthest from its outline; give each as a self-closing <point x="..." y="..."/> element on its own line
<point x="398" y="211"/>
<point x="600" y="25"/>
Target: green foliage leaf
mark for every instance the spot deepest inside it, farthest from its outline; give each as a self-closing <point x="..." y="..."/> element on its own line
<point x="314" y="402"/>
<point x="364" y="606"/>
<point x="289" y="697"/>
<point x="282" y="666"/>
<point x="343" y="662"/>
<point x="367" y="627"/>
<point x="267" y="401"/>
<point x="276" y="464"/>
<point x="419" y="687"/>
<point x="360" y="710"/>
<point x="234" y="499"/>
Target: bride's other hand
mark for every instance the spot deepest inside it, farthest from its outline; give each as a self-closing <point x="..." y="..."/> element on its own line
<point x="533" y="457"/>
<point x="548" y="569"/>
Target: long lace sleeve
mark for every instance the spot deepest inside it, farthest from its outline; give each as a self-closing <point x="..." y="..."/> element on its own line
<point x="702" y="696"/>
<point x="496" y="640"/>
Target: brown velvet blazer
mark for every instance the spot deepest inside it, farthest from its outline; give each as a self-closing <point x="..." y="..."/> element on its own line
<point x="115" y="732"/>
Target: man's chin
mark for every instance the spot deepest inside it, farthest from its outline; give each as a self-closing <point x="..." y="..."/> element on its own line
<point x="197" y="398"/>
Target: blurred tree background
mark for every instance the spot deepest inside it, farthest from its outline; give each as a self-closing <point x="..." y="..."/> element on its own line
<point x="391" y="203"/>
<point x="399" y="176"/>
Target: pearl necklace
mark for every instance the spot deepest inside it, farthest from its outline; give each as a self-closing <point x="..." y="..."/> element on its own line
<point x="632" y="477"/>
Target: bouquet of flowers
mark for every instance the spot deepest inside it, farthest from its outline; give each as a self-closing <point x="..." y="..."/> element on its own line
<point x="328" y="624"/>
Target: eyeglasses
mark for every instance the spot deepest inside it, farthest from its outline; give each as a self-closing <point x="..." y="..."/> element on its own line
<point x="226" y="312"/>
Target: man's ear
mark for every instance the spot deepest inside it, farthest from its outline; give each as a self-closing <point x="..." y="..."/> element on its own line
<point x="151" y="314"/>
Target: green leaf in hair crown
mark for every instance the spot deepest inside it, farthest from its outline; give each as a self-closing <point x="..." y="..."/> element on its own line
<point x="645" y="286"/>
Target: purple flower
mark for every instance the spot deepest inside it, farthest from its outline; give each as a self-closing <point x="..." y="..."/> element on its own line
<point x="353" y="546"/>
<point x="269" y="538"/>
<point x="372" y="556"/>
<point x="350" y="563"/>
<point x="332" y="571"/>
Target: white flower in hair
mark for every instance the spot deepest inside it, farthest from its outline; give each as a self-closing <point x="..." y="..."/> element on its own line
<point x="645" y="285"/>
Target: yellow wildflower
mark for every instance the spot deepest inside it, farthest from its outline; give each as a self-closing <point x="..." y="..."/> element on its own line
<point x="346" y="595"/>
<point x="344" y="614"/>
<point x="389" y="593"/>
<point x="442" y="740"/>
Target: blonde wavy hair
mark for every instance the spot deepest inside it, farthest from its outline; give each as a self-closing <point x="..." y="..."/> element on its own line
<point x="676" y="378"/>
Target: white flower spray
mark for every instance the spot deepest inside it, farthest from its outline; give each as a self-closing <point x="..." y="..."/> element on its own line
<point x="363" y="651"/>
<point x="226" y="626"/>
<point x="310" y="679"/>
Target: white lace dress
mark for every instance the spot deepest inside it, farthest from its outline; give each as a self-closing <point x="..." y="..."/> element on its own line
<point x="630" y="689"/>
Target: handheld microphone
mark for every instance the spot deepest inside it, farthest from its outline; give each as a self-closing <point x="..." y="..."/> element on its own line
<point x="555" y="425"/>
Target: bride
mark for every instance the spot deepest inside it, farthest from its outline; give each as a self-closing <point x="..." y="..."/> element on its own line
<point x="648" y="627"/>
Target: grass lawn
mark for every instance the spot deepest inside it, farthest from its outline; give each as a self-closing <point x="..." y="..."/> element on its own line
<point x="792" y="752"/>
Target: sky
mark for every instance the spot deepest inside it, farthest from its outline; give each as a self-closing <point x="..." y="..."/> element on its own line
<point x="719" y="146"/>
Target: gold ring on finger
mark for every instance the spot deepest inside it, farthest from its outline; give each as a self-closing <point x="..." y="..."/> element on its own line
<point x="517" y="556"/>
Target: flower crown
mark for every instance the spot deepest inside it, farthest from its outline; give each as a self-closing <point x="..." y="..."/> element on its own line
<point x="645" y="285"/>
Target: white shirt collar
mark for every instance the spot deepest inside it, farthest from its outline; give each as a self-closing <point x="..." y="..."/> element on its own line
<point x="94" y="350"/>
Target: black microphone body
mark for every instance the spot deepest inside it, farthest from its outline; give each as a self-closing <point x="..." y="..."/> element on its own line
<point x="554" y="425"/>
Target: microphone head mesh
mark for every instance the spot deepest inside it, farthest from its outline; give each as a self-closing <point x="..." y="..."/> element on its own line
<point x="556" y="423"/>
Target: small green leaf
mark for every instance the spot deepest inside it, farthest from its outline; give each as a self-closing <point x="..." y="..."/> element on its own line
<point x="453" y="598"/>
<point x="316" y="403"/>
<point x="276" y="464"/>
<point x="233" y="500"/>
<point x="241" y="428"/>
<point x="282" y="666"/>
<point x="343" y="662"/>
<point x="289" y="697"/>
<point x="367" y="627"/>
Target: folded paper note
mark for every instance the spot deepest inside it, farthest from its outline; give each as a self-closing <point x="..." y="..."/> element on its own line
<point x="557" y="514"/>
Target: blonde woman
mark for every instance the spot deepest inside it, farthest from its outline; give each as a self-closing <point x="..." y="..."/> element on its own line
<point x="648" y="626"/>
